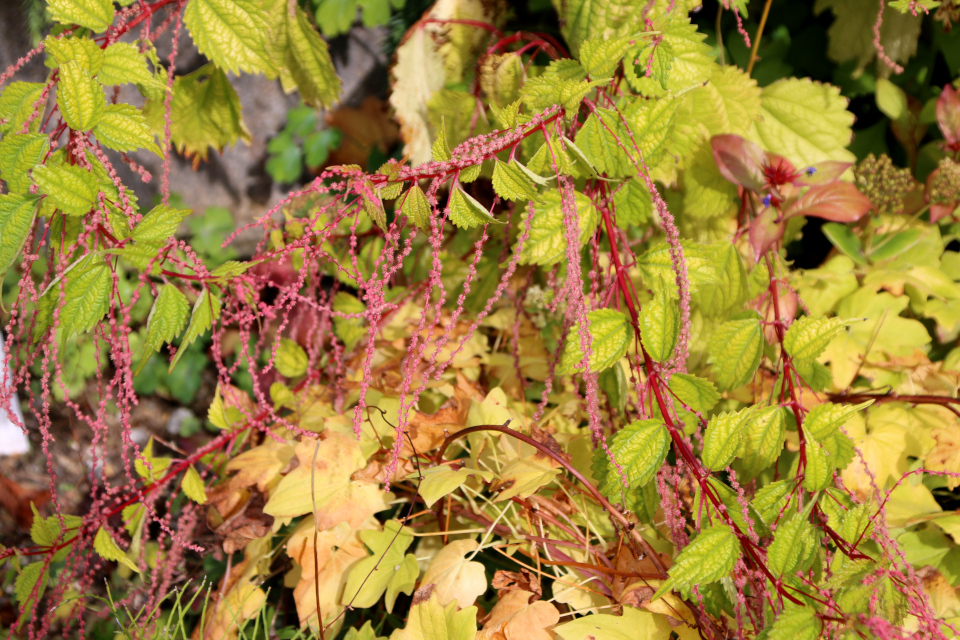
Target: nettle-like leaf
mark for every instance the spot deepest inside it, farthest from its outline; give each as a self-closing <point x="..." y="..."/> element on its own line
<point x="86" y="299"/>
<point x="32" y="578"/>
<point x="610" y="334"/>
<point x="633" y="204"/>
<point x="796" y="623"/>
<point x="604" y="139"/>
<point x="511" y="182"/>
<point x="80" y="97"/>
<point x="96" y="15"/>
<point x="84" y="51"/>
<point x="600" y="56"/>
<point x="709" y="557"/>
<point x="159" y="224"/>
<point x="818" y="471"/>
<point x="291" y="361"/>
<point x="167" y="318"/>
<point x="728" y="103"/>
<point x="763" y="432"/>
<point x="19" y="153"/>
<point x="689" y="58"/>
<point x="108" y="549"/>
<point x="17" y="104"/>
<point x="72" y="188"/>
<point x="466" y="212"/>
<point x="413" y="204"/>
<point x="698" y="394"/>
<point x="727" y="292"/>
<point x="723" y="440"/>
<point x="660" y="325"/>
<point x="547" y="241"/>
<point x="122" y="63"/>
<point x="122" y="127"/>
<point x="771" y="499"/>
<point x="193" y="486"/>
<point x="562" y="82"/>
<point x="307" y="60"/>
<point x="206" y="311"/>
<point x="795" y="544"/>
<point x="17" y="213"/>
<point x="807" y="337"/>
<point x="230" y="33"/>
<point x="388" y="570"/>
<point x="734" y="351"/>
<point x="640" y="449"/>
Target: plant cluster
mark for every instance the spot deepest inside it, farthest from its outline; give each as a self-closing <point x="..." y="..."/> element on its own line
<point x="552" y="374"/>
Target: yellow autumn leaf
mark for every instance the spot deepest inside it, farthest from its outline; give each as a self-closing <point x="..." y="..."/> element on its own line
<point x="515" y="617"/>
<point x="261" y="465"/>
<point x="455" y="577"/>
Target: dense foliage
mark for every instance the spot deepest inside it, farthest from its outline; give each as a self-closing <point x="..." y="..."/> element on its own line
<point x="553" y="372"/>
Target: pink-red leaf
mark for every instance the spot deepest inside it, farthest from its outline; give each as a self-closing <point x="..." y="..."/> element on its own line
<point x="948" y="115"/>
<point x="836" y="201"/>
<point x="765" y="230"/>
<point x="740" y="161"/>
<point x="822" y="173"/>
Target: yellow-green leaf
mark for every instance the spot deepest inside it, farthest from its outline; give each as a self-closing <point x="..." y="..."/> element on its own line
<point x="17" y="104"/>
<point x="206" y="311"/>
<point x="83" y="50"/>
<point x="547" y="241"/>
<point x="387" y="567"/>
<point x="167" y="318"/>
<point x="709" y="557"/>
<point x="734" y="351"/>
<point x="80" y="97"/>
<point x="511" y="183"/>
<point x="108" y="549"/>
<point x="308" y="62"/>
<point x="292" y="360"/>
<point x="610" y="334"/>
<point x="123" y="128"/>
<point x="72" y="188"/>
<point x="660" y="325"/>
<point x="640" y="449"/>
<point x="17" y="213"/>
<point x="230" y="33"/>
<point x="123" y="63"/>
<point x="414" y="205"/>
<point x="193" y="486"/>
<point x="466" y="212"/>
<point x="93" y="14"/>
<point x="159" y="224"/>
<point x="19" y="153"/>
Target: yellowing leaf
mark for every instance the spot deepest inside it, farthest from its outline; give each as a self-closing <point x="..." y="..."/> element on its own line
<point x="514" y="616"/>
<point x="123" y="128"/>
<point x="640" y="449"/>
<point x="230" y="33"/>
<point x="851" y="36"/>
<point x="261" y="465"/>
<point x="122" y="63"/>
<point x="93" y="14"/>
<point x="734" y="351"/>
<point x="107" y="549"/>
<point x="193" y="486"/>
<point x="807" y="337"/>
<point x="72" y="188"/>
<point x="387" y="570"/>
<point x="466" y="212"/>
<point x="291" y="360"/>
<point x="456" y="578"/>
<point x="763" y="433"/>
<point x="307" y="60"/>
<point x="19" y="153"/>
<point x="83" y="50"/>
<point x="86" y="299"/>
<point x="431" y="620"/>
<point x="547" y="242"/>
<point x="17" y="213"/>
<point x="523" y="478"/>
<point x="79" y="97"/>
<point x="17" y="102"/>
<point x="633" y="624"/>
<point x="443" y="480"/>
<point x="660" y="325"/>
<point x="338" y="498"/>
<point x="610" y="334"/>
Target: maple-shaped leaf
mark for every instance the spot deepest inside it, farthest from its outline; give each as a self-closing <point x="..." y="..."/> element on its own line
<point x="430" y="619"/>
<point x="456" y="577"/>
<point x="387" y="570"/>
<point x="261" y="465"/>
<point x="338" y="498"/>
<point x="632" y="624"/>
<point x="515" y="616"/>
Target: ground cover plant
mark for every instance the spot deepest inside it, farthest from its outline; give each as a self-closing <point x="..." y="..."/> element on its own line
<point x="571" y="365"/>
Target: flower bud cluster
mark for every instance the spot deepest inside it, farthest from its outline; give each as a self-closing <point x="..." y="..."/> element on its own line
<point x="883" y="183"/>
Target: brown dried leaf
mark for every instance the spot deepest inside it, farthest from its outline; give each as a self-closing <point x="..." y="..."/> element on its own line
<point x="514" y="617"/>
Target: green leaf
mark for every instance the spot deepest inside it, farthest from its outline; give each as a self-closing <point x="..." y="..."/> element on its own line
<point x="633" y="204"/>
<point x="387" y="570"/>
<point x="561" y="83"/>
<point x="159" y="224"/>
<point x="660" y="325"/>
<point x="80" y="97"/>
<point x="794" y="545"/>
<point x="723" y="440"/>
<point x="728" y="103"/>
<point x="107" y="549"/>
<point x="45" y="532"/>
<point x="414" y="205"/>
<point x="440" y="149"/>
<point x="844" y="239"/>
<point x="430" y="620"/>
<point x="824" y="420"/>
<point x="603" y="138"/>
<point x="230" y="33"/>
<point x="651" y="122"/>
<point x="697" y="393"/>
<point x="19" y="153"/>
<point x="466" y="212"/>
<point x="709" y="557"/>
<point x="30" y="576"/>
<point x="123" y="128"/>
<point x="770" y="500"/>
<point x="819" y="468"/>
<point x="807" y="337"/>
<point x="734" y="351"/>
<point x="349" y="330"/>
<point x="84" y="51"/>
<point x="167" y="318"/>
<point x="600" y="56"/>
<point x="93" y="14"/>
<point x="805" y="121"/>
<point x="17" y="212"/>
<point x="547" y="242"/>
<point x="86" y="299"/>
<point x="764" y="430"/>
<point x="17" y="105"/>
<point x="796" y="623"/>
<point x="706" y="193"/>
<point x="581" y="20"/>
<point x="512" y="183"/>
<point x="632" y="624"/>
<point x="72" y="188"/>
<point x="640" y="449"/>
<point x="727" y="292"/>
<point x="206" y="310"/>
<point x="193" y="486"/>
<point x="610" y="334"/>
<point x="205" y="112"/>
<point x="690" y="59"/>
<point x="123" y="63"/>
<point x="441" y="481"/>
<point x="291" y="360"/>
<point x="308" y="62"/>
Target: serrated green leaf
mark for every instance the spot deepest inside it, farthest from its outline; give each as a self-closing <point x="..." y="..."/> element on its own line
<point x="770" y="500"/>
<point x="561" y="84"/>
<point x="582" y="20"/>
<point x="547" y="242"/>
<point x="824" y="420"/>
<point x="603" y="139"/>
<point x="690" y="60"/>
<point x="230" y="33"/>
<point x="465" y="212"/>
<point x="93" y="14"/>
<point x="193" y="487"/>
<point x="470" y="173"/>
<point x="84" y="51"/>
<point x="440" y="149"/>
<point x="33" y="576"/>
<point x="17" y="212"/>
<point x="205" y="112"/>
<point x="123" y="128"/>
<point x="291" y="360"/>
<point x="86" y="299"/>
<point x="819" y="468"/>
<point x="640" y="449"/>
<point x="107" y="549"/>
<point x="709" y="557"/>
<point x="723" y="440"/>
<point x="307" y="60"/>
<point x="807" y="337"/>
<point x="159" y="224"/>
<point x="150" y="467"/>
<point x="72" y="188"/>
<point x="728" y="103"/>
<point x="600" y="56"/>
<point x="651" y="122"/>
<point x="17" y="105"/>
<point x="633" y="204"/>
<point x="80" y="97"/>
<point x="414" y="205"/>
<point x="443" y="480"/>
<point x="706" y="193"/>
<point x="122" y="63"/>
<point x="45" y="532"/>
<point x="660" y="325"/>
<point x="796" y="623"/>
<point x="167" y="318"/>
<point x="794" y="545"/>
<point x="610" y="334"/>
<point x="511" y="183"/>
<point x="734" y="351"/>
<point x="804" y="121"/>
<point x="657" y="264"/>
<point x="763" y="430"/>
<point x="698" y="394"/>
<point x="19" y="153"/>
<point x="388" y="566"/>
<point x="727" y="292"/>
<point x="206" y="311"/>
